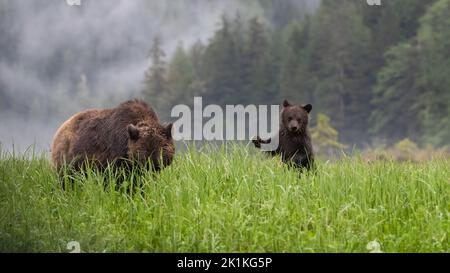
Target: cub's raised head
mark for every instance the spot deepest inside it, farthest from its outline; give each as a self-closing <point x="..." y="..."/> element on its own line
<point x="150" y="143"/>
<point x="295" y="118"/>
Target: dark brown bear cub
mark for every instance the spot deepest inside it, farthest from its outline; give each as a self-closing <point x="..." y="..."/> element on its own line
<point x="130" y="132"/>
<point x="295" y="144"/>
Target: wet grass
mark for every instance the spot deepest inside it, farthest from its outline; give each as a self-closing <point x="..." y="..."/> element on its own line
<point x="227" y="201"/>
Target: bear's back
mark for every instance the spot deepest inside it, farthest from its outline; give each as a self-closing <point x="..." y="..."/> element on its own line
<point x="99" y="134"/>
<point x="67" y="134"/>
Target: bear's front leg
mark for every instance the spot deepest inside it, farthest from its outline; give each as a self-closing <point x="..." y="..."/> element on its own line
<point x="258" y="141"/>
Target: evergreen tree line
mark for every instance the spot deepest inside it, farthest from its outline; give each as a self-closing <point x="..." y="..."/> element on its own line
<point x="381" y="74"/>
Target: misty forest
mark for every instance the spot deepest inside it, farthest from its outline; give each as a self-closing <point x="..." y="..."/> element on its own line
<point x="376" y="74"/>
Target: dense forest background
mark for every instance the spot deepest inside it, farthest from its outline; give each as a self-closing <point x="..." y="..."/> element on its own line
<point x="377" y="74"/>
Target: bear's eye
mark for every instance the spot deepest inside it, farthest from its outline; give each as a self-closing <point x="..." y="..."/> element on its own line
<point x="289" y="118"/>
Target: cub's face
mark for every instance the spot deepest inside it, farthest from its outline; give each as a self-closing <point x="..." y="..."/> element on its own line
<point x="295" y="117"/>
<point x="149" y="143"/>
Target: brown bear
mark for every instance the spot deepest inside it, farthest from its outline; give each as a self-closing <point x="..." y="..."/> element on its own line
<point x="294" y="140"/>
<point x="130" y="132"/>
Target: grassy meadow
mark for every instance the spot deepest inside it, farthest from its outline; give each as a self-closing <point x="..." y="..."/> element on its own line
<point x="233" y="200"/>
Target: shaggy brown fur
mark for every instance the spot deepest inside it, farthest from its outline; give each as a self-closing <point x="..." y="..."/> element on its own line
<point x="294" y="140"/>
<point x="129" y="132"/>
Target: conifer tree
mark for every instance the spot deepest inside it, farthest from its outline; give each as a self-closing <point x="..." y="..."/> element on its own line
<point x="156" y="91"/>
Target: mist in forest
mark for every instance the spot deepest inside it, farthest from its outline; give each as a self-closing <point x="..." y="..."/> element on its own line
<point x="57" y="59"/>
<point x="375" y="75"/>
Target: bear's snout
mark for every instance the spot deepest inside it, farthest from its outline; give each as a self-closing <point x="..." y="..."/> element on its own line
<point x="294" y="126"/>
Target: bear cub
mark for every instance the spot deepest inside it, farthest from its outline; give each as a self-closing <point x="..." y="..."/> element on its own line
<point x="295" y="145"/>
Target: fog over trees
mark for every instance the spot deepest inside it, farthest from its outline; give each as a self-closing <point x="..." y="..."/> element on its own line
<point x="379" y="73"/>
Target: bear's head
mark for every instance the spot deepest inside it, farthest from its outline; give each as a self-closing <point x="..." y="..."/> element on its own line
<point x="150" y="143"/>
<point x="294" y="118"/>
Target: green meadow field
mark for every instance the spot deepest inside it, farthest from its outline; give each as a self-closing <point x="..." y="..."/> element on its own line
<point x="232" y="200"/>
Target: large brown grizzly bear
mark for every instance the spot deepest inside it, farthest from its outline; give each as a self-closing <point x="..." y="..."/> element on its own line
<point x="294" y="140"/>
<point x="128" y="133"/>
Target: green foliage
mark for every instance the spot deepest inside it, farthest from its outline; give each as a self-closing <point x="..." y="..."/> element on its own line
<point x="406" y="145"/>
<point x="223" y="64"/>
<point x="182" y="78"/>
<point x="325" y="137"/>
<point x="296" y="79"/>
<point x="258" y="80"/>
<point x="282" y="13"/>
<point x="228" y="201"/>
<point x="398" y="96"/>
<point x="434" y="38"/>
<point x="340" y="45"/>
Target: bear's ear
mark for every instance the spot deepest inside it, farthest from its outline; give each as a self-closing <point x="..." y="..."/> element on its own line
<point x="308" y="108"/>
<point x="167" y="130"/>
<point x="133" y="132"/>
<point x="286" y="103"/>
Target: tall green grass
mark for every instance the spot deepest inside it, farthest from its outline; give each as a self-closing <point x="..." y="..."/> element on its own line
<point x="227" y="201"/>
